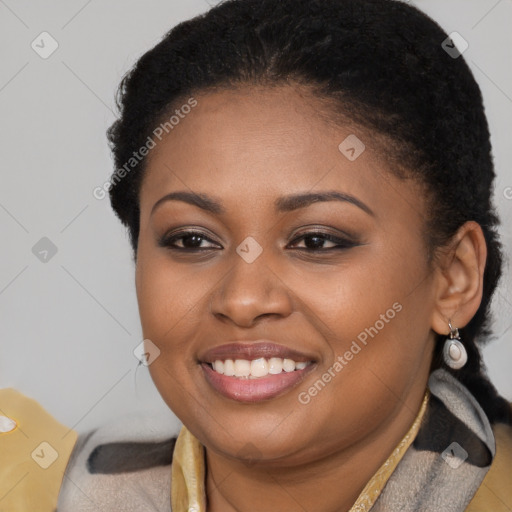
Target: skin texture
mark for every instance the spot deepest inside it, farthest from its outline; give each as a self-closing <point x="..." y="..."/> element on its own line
<point x="247" y="147"/>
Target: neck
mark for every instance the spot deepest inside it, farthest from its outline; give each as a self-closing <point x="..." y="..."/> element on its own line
<point x="329" y="483"/>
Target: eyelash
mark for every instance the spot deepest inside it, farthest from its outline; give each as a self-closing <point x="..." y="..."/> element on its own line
<point x="342" y="243"/>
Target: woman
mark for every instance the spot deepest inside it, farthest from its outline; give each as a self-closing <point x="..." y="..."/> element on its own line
<point x="307" y="188"/>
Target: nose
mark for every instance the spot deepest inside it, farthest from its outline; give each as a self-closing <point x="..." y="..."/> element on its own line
<point x="250" y="291"/>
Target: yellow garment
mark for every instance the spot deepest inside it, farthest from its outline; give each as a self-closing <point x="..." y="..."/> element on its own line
<point x="188" y="471"/>
<point x="33" y="456"/>
<point x="188" y="474"/>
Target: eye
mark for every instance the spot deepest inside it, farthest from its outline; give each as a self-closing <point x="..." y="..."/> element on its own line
<point x="315" y="240"/>
<point x="190" y="241"/>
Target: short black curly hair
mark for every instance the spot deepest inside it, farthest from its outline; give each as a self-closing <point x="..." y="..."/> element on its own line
<point x="381" y="64"/>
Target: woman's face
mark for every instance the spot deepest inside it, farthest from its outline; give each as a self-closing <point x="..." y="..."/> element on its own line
<point x="342" y="285"/>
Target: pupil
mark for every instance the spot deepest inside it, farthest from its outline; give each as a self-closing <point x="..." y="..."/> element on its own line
<point x="319" y="240"/>
<point x="196" y="240"/>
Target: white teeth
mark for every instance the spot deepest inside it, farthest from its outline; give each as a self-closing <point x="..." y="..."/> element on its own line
<point x="275" y="365"/>
<point x="218" y="366"/>
<point x="288" y="365"/>
<point x="257" y="368"/>
<point x="229" y="368"/>
<point x="242" y="368"/>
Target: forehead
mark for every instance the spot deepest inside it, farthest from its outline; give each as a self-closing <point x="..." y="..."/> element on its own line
<point x="251" y="143"/>
<point x="259" y="132"/>
<point x="267" y="130"/>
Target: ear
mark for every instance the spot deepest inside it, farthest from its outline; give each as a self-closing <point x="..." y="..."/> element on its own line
<point x="459" y="278"/>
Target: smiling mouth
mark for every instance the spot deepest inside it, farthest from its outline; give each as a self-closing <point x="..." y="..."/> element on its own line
<point x="253" y="372"/>
<point x="257" y="368"/>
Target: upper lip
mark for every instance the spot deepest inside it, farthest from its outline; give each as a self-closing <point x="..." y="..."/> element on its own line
<point x="253" y="350"/>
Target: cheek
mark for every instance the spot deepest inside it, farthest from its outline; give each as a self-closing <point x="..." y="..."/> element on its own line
<point x="375" y="289"/>
<point x="374" y="314"/>
<point x="168" y="302"/>
<point x="168" y="296"/>
<point x="174" y="304"/>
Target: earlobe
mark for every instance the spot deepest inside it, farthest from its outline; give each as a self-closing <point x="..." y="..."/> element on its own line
<point x="459" y="279"/>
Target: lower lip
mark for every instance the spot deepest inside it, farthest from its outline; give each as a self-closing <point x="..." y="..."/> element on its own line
<point x="254" y="390"/>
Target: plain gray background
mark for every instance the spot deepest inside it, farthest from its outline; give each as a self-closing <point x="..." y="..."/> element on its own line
<point x="69" y="325"/>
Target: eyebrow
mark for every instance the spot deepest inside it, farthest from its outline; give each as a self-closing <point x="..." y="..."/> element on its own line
<point x="282" y="204"/>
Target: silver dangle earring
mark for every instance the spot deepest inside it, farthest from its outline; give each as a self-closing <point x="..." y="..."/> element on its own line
<point x="454" y="352"/>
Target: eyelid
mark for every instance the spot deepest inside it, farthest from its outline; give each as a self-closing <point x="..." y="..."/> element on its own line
<point x="313" y="228"/>
<point x="338" y="236"/>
